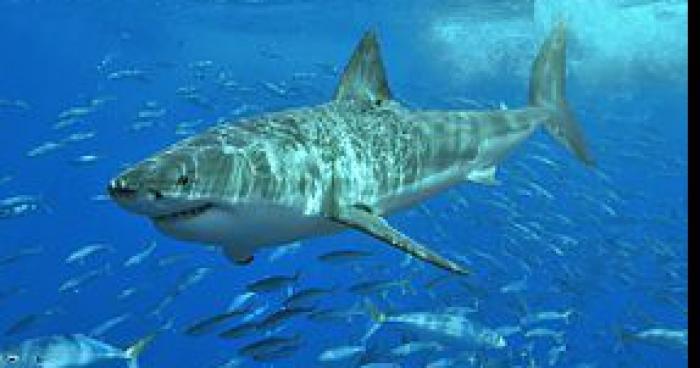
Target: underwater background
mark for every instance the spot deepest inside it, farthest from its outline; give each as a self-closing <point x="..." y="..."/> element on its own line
<point x="88" y="87"/>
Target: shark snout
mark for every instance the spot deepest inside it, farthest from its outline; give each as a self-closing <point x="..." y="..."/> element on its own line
<point x="119" y="189"/>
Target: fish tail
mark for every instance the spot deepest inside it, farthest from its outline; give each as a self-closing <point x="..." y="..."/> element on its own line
<point x="622" y="337"/>
<point x="134" y="351"/>
<point x="377" y="316"/>
<point x="567" y="316"/>
<point x="406" y="286"/>
<point x="547" y="87"/>
<point x="374" y="312"/>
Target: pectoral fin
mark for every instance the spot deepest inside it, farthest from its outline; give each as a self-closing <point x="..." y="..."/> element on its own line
<point x="238" y="255"/>
<point x="361" y="218"/>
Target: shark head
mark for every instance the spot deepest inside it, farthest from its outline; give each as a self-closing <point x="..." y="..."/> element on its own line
<point x="180" y="190"/>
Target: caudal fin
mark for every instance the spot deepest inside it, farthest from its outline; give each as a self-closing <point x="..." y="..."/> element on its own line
<point x="547" y="89"/>
<point x="133" y="351"/>
<point x="377" y="316"/>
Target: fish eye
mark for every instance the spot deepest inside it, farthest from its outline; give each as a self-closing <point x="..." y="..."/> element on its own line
<point x="183" y="180"/>
<point x="12" y="358"/>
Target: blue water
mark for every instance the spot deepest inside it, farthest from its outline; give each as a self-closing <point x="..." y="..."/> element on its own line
<point x="609" y="243"/>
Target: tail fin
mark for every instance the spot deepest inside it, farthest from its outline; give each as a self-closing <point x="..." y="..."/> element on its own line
<point x="377" y="319"/>
<point x="133" y="351"/>
<point x="406" y="286"/>
<point x="374" y="312"/>
<point x="547" y="90"/>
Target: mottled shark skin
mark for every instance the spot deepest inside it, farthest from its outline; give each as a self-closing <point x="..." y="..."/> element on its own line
<point x="311" y="171"/>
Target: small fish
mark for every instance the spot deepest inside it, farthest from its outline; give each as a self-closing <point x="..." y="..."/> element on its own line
<point x="65" y="122"/>
<point x="335" y="315"/>
<point x="172" y="259"/>
<point x="19" y="255"/>
<point x="557" y="336"/>
<point x="186" y="281"/>
<point x="83" y="253"/>
<point x="371" y="287"/>
<point x="451" y="326"/>
<point x="187" y="127"/>
<point x="272" y="283"/>
<point x="554" y="353"/>
<point x="341" y="353"/>
<point x="100" y="198"/>
<point x="232" y="363"/>
<point x="275" y="89"/>
<point x="22" y="324"/>
<point x="199" y="100"/>
<point x="243" y="329"/>
<point x="99" y="101"/>
<point x="201" y="64"/>
<point x="106" y="326"/>
<point x="208" y="324"/>
<point x="442" y="363"/>
<point x="271" y="347"/>
<point x="80" y="136"/>
<point x="417" y="347"/>
<point x="677" y="339"/>
<point x="141" y="256"/>
<point x="26" y="322"/>
<point x="241" y="300"/>
<point x="127" y="293"/>
<point x="75" y="112"/>
<point x="43" y="149"/>
<point x="86" y="159"/>
<point x="157" y="311"/>
<point x="506" y="331"/>
<point x="73" y="284"/>
<point x="343" y="256"/>
<point x="547" y="316"/>
<point x="69" y="351"/>
<point x="191" y="278"/>
<point x="255" y="313"/>
<point x="19" y="205"/>
<point x="186" y="90"/>
<point x="515" y="286"/>
<point x="4" y="179"/>
<point x="284" y="250"/>
<point x="141" y="125"/>
<point x="280" y="316"/>
<point x="305" y="296"/>
<point x="150" y="114"/>
<point x="135" y="74"/>
<point x="18" y="104"/>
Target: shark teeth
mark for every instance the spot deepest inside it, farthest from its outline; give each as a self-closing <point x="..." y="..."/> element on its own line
<point x="192" y="212"/>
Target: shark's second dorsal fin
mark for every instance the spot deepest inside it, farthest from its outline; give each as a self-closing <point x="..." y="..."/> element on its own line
<point x="364" y="79"/>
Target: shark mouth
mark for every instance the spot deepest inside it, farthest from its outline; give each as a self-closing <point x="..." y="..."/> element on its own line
<point x="184" y="214"/>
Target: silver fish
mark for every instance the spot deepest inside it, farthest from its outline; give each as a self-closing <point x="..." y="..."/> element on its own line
<point x="69" y="351"/>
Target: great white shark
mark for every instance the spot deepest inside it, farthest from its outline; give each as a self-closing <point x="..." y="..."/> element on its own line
<point x="345" y="164"/>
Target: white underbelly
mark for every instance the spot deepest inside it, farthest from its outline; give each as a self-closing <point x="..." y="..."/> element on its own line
<point x="248" y="226"/>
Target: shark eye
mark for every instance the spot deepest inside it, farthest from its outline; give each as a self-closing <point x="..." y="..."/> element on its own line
<point x="12" y="358"/>
<point x="183" y="180"/>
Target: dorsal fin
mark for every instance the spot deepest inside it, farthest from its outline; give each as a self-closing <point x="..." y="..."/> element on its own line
<point x="364" y="79"/>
